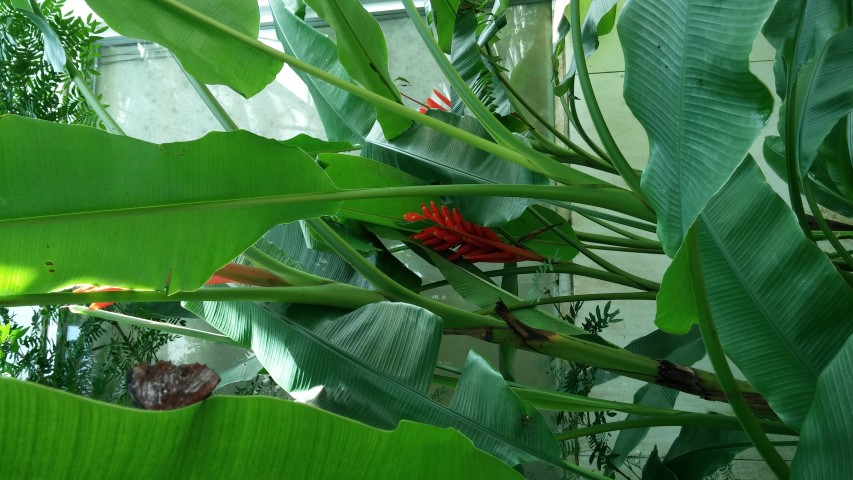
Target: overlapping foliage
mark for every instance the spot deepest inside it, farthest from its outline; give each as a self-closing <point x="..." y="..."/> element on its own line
<point x="750" y="273"/>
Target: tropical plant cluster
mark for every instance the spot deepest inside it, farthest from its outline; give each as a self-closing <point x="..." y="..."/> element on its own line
<point x="223" y="224"/>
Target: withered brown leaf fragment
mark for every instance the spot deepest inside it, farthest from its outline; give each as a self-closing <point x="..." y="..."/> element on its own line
<point x="165" y="386"/>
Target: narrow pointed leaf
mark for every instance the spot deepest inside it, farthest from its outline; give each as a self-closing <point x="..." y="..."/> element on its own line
<point x="699" y="452"/>
<point x="118" y="442"/>
<point x="468" y="61"/>
<point x="364" y="54"/>
<point x="116" y="196"/>
<point x="54" y="52"/>
<point x="344" y="116"/>
<point x="483" y="395"/>
<point x="687" y="81"/>
<point x="203" y="48"/>
<point x="655" y="469"/>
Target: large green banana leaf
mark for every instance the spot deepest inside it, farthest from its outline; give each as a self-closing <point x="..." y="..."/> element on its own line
<point x="344" y="116"/>
<point x="364" y="54"/>
<point x="53" y="434"/>
<point x="687" y="81"/>
<point x="781" y="310"/>
<point x="194" y="31"/>
<point x="373" y="365"/>
<point x="81" y="206"/>
<point x="437" y="158"/>
<point x="826" y="441"/>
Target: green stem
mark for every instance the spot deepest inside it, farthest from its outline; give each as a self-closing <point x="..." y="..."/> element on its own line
<point x="701" y="420"/>
<point x="336" y="295"/>
<point x="792" y="157"/>
<point x="625" y="170"/>
<point x="393" y="290"/>
<point x="92" y="100"/>
<point x="506" y="352"/>
<point x="291" y="275"/>
<point x="564" y="155"/>
<point x="572" y="112"/>
<point x="569" y="268"/>
<point x="161" y="326"/>
<point x="721" y="366"/>
<point x="211" y="102"/>
<point x="575" y="298"/>
<point x="620" y="242"/>
<point x="638" y="281"/>
<point x="824" y="227"/>
<point x="558" y="401"/>
<point x="516" y="97"/>
<point x="598" y="218"/>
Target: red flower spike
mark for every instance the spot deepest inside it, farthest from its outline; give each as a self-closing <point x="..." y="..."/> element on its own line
<point x="475" y="243"/>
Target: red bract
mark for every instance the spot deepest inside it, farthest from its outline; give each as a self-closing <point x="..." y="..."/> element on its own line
<point x="430" y="103"/>
<point x="475" y="243"/>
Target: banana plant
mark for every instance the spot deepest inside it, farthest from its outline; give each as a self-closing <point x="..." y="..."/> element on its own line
<point x="346" y="327"/>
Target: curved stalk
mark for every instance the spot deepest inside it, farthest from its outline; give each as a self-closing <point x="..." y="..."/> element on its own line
<point x="161" y="326"/>
<point x="210" y="101"/>
<point x="519" y="99"/>
<point x="390" y="288"/>
<point x="294" y="276"/>
<point x="572" y="112"/>
<point x="529" y="159"/>
<point x="702" y="420"/>
<point x="721" y="366"/>
<point x="574" y="298"/>
<point x="792" y="157"/>
<point x="625" y="170"/>
<point x="335" y="295"/>
<point x="620" y="242"/>
<point x="569" y="268"/>
<point x="580" y="194"/>
<point x="824" y="227"/>
<point x="638" y="281"/>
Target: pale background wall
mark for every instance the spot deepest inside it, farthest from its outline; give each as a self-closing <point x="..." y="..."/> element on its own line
<point x="151" y="99"/>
